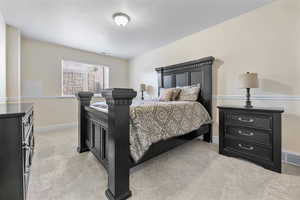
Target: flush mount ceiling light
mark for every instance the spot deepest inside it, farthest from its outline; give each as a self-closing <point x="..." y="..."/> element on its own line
<point x="121" y="19"/>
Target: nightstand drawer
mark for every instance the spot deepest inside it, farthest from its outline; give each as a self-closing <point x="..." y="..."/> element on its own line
<point x="249" y="120"/>
<point x="248" y="134"/>
<point x="248" y="148"/>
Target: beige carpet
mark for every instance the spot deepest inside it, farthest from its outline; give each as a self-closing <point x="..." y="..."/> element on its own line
<point x="190" y="172"/>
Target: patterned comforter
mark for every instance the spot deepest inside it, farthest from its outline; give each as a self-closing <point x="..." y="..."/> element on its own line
<point x="151" y="122"/>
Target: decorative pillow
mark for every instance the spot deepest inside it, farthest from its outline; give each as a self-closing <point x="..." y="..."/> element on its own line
<point x="176" y="92"/>
<point x="166" y="94"/>
<point x="189" y="94"/>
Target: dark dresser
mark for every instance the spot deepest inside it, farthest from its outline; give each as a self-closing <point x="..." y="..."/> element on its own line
<point x="16" y="150"/>
<point x="253" y="134"/>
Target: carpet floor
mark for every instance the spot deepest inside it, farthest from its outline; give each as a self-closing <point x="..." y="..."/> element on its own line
<point x="194" y="171"/>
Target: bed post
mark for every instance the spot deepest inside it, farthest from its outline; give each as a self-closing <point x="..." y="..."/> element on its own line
<point x="84" y="99"/>
<point x="208" y="136"/>
<point x="118" y="101"/>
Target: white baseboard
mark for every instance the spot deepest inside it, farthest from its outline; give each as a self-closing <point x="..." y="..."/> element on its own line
<point x="55" y="127"/>
<point x="287" y="157"/>
<point x="291" y="158"/>
<point x="215" y="139"/>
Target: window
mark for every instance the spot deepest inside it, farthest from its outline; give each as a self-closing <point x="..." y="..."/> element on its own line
<point x="83" y="77"/>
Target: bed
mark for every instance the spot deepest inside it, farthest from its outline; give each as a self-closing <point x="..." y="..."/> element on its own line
<point x="107" y="130"/>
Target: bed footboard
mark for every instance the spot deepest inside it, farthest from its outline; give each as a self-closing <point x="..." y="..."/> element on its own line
<point x="118" y="153"/>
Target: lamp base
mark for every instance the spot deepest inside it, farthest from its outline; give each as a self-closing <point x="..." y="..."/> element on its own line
<point x="142" y="96"/>
<point x="248" y="102"/>
<point x="248" y="106"/>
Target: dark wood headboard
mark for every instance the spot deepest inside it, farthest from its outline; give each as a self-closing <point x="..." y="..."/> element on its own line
<point x="189" y="73"/>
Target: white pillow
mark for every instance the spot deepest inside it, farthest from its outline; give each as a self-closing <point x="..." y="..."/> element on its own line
<point x="189" y="93"/>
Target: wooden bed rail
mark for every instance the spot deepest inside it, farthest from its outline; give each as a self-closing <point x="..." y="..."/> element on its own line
<point x="118" y="152"/>
<point x="84" y="99"/>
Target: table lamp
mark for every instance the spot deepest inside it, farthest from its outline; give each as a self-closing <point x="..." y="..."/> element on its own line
<point x="142" y="89"/>
<point x="248" y="81"/>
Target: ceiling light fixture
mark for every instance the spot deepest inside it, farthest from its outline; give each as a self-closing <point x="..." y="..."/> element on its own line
<point x="121" y="19"/>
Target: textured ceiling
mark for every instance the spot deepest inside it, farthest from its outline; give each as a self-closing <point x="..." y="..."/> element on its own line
<point x="88" y="24"/>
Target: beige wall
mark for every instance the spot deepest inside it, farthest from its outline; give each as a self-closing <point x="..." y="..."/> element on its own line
<point x="265" y="41"/>
<point x="41" y="79"/>
<point x="13" y="61"/>
<point x="2" y="59"/>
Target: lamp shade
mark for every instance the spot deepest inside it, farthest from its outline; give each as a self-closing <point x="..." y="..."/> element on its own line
<point x="249" y="80"/>
<point x="142" y="87"/>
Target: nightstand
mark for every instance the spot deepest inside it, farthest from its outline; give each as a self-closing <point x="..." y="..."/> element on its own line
<point x="253" y="134"/>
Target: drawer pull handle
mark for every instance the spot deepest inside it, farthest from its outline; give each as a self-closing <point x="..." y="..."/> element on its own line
<point x="245" y="134"/>
<point x="246" y="120"/>
<point x="27" y="147"/>
<point x="246" y="148"/>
